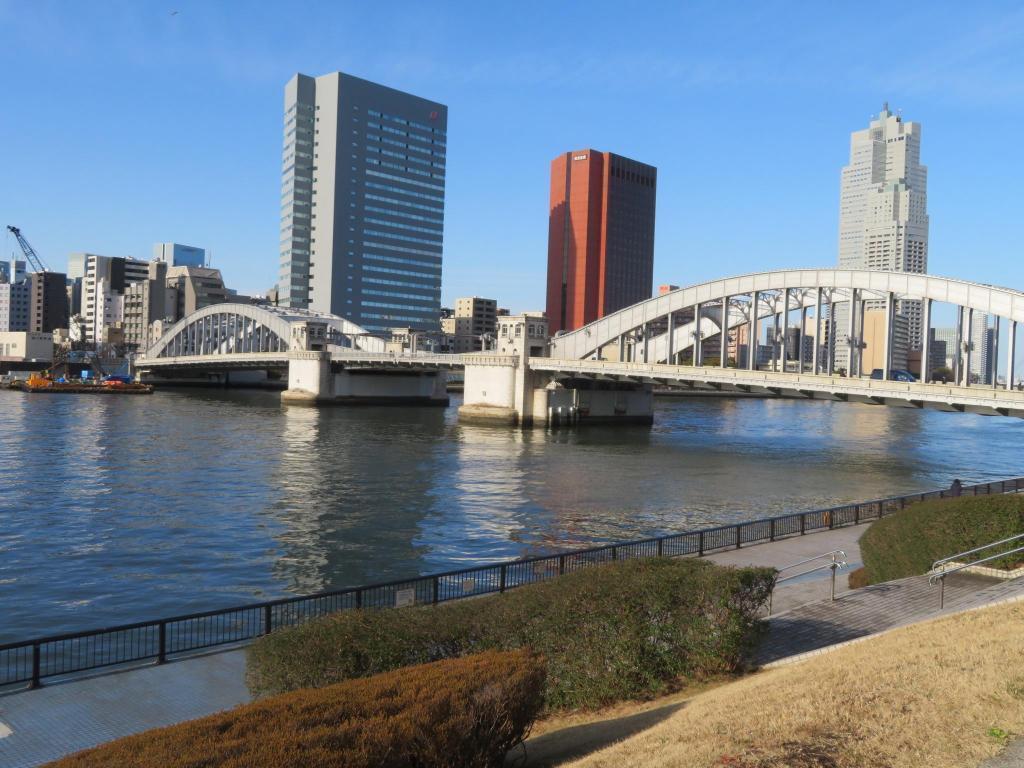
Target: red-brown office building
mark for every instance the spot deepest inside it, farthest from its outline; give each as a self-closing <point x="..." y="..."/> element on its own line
<point x="600" y="236"/>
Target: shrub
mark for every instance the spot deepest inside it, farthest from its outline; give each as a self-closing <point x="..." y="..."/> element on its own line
<point x="460" y="712"/>
<point x="858" y="578"/>
<point x="907" y="543"/>
<point x="610" y="632"/>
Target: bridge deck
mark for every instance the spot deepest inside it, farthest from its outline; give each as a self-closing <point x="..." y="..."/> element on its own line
<point x="974" y="399"/>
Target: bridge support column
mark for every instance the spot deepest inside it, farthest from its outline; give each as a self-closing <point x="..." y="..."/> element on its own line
<point x="851" y="339"/>
<point x="723" y="353"/>
<point x="775" y="339"/>
<point x="958" y="353"/>
<point x="890" y="309"/>
<point x="926" y="341"/>
<point x="993" y="362"/>
<point x="670" y="340"/>
<point x="862" y="306"/>
<point x="801" y="333"/>
<point x="784" y="341"/>
<point x="968" y="346"/>
<point x="752" y="334"/>
<point x="1011" y="352"/>
<point x="309" y="378"/>
<point x="816" y="341"/>
<point x="698" y="346"/>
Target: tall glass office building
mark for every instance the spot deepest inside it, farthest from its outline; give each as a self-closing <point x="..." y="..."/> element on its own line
<point x="362" y="202"/>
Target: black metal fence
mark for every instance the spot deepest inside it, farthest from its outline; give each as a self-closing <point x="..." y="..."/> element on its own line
<point x="31" y="661"/>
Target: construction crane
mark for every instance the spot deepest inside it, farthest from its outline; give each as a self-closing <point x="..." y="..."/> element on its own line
<point x="28" y="250"/>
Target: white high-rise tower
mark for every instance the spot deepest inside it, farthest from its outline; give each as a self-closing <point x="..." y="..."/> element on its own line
<point x="883" y="212"/>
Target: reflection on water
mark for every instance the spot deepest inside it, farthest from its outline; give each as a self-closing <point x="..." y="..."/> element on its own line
<point x="117" y="509"/>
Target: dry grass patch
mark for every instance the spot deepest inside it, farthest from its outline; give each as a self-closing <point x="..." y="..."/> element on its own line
<point x="937" y="694"/>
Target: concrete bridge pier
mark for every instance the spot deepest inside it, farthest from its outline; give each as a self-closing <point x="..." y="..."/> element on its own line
<point x="590" y="402"/>
<point x="502" y="389"/>
<point x="309" y="378"/>
<point x="313" y="380"/>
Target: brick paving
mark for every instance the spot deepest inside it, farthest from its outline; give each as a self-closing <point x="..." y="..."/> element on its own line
<point x="868" y="611"/>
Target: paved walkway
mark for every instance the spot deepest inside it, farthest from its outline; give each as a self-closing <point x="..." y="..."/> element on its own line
<point x="810" y="628"/>
<point x="778" y="554"/>
<point x="1011" y="757"/>
<point x="42" y="725"/>
<point x="56" y="720"/>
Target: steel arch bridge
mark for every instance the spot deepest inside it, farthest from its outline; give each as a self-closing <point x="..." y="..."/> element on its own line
<point x="253" y="330"/>
<point x="657" y="342"/>
<point x="661" y="329"/>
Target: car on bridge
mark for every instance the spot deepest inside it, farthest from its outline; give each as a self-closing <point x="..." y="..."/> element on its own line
<point x="894" y="375"/>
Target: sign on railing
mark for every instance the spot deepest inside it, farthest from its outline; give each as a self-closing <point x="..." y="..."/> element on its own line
<point x="160" y="640"/>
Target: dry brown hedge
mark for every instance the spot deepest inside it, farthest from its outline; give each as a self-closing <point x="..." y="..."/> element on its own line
<point x="459" y="712"/>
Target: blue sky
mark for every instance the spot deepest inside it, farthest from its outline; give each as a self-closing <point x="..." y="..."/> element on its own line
<point x="123" y="124"/>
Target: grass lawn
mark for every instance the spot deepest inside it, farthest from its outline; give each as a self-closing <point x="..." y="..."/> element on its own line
<point x="942" y="694"/>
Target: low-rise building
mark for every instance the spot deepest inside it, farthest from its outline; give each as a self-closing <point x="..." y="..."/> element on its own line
<point x="198" y="287"/>
<point x="26" y="346"/>
<point x="14" y="306"/>
<point x="168" y="294"/>
<point x="527" y="331"/>
<point x="145" y="302"/>
<point x="472" y="320"/>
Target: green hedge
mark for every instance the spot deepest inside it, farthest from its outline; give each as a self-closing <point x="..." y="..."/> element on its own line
<point x="459" y="712"/>
<point x="907" y="543"/>
<point x="610" y="632"/>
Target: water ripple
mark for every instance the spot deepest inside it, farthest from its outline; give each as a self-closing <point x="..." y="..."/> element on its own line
<point x="120" y="509"/>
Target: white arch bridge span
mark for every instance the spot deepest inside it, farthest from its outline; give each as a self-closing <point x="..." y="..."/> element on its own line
<point x="314" y="356"/>
<point x="608" y="369"/>
<point x="683" y="338"/>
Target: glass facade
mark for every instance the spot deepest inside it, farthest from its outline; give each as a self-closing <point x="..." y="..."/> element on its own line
<point x="362" y="225"/>
<point x="297" y="191"/>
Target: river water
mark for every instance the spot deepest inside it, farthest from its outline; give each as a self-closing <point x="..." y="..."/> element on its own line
<point x="118" y="509"/>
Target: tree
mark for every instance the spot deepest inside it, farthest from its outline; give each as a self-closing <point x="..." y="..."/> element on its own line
<point x="942" y="375"/>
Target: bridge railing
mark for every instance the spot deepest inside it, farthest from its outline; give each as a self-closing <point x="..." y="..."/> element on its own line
<point x="160" y="640"/>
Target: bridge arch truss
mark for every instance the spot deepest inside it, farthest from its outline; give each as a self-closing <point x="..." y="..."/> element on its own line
<point x="236" y="329"/>
<point x="667" y="327"/>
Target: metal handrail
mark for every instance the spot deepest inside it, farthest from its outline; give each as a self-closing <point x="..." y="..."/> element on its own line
<point x="838" y="560"/>
<point x="165" y="639"/>
<point x="941" y="575"/>
<point x="957" y="556"/>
